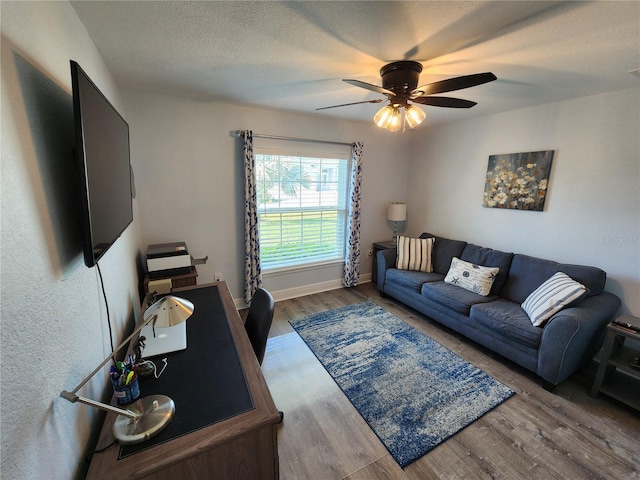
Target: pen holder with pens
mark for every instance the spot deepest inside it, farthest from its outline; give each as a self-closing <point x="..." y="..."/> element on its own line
<point x="127" y="393"/>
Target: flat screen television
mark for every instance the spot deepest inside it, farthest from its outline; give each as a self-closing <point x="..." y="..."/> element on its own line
<point x="101" y="150"/>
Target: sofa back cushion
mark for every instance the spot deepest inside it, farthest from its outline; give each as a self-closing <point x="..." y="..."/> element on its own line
<point x="488" y="257"/>
<point x="528" y="273"/>
<point x="443" y="252"/>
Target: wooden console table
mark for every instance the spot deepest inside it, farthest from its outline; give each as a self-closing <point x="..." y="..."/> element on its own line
<point x="238" y="446"/>
<point x="177" y="281"/>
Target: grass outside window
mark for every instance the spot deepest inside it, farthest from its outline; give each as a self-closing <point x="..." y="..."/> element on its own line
<point x="299" y="235"/>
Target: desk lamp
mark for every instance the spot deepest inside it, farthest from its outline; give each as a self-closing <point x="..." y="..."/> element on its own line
<point x="148" y="415"/>
<point x="397" y="212"/>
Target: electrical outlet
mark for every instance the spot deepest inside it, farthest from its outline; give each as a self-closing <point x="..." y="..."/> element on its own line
<point x="217" y="277"/>
<point x="370" y="253"/>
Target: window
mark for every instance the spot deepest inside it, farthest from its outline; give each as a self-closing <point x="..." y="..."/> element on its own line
<point x="302" y="212"/>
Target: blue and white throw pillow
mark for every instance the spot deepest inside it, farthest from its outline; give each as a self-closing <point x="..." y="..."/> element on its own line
<point x="475" y="278"/>
<point x="414" y="254"/>
<point x="556" y="293"/>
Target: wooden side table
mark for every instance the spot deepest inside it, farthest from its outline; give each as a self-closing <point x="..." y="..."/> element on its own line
<point x="377" y="246"/>
<point x="615" y="377"/>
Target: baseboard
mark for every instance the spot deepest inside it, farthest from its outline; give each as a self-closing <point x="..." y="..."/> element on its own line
<point x="303" y="290"/>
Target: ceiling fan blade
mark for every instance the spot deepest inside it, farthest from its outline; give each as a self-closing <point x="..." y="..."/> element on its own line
<point x="378" y="100"/>
<point x="444" y="102"/>
<point x="368" y="86"/>
<point x="451" y="84"/>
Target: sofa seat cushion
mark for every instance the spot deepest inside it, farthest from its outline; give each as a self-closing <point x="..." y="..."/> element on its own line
<point x="454" y="297"/>
<point x="507" y="319"/>
<point x="411" y="279"/>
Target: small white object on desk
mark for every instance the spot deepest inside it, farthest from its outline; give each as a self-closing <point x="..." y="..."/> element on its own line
<point x="160" y="286"/>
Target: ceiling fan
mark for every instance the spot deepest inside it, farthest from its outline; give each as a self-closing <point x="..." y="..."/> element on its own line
<point x="400" y="85"/>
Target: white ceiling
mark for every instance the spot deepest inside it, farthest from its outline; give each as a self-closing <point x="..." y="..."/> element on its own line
<point x="293" y="55"/>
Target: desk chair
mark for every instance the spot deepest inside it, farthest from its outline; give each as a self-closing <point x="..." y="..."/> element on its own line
<point x="258" y="323"/>
<point x="259" y="320"/>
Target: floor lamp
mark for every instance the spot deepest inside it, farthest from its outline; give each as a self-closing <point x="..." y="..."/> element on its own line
<point x="148" y="415"/>
<point x="397" y="212"/>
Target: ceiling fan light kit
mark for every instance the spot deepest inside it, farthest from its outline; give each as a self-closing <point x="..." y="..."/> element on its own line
<point x="400" y="85"/>
<point x="389" y="117"/>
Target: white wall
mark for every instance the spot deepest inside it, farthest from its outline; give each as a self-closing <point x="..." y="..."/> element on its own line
<point x="190" y="184"/>
<point x="53" y="320"/>
<point x="592" y="211"/>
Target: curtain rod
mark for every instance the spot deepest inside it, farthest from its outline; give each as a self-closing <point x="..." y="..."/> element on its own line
<point x="293" y="139"/>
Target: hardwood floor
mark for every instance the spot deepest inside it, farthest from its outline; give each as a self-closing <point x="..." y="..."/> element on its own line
<point x="534" y="435"/>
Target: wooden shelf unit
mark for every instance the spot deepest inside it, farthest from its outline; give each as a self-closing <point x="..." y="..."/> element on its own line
<point x="615" y="377"/>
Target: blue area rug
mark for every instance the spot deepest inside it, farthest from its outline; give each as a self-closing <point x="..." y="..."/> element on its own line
<point x="413" y="392"/>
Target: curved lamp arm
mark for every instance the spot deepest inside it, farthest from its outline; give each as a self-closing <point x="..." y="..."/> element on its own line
<point x="153" y="412"/>
<point x="72" y="397"/>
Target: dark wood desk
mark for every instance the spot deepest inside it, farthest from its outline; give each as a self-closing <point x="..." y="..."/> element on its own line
<point x="240" y="447"/>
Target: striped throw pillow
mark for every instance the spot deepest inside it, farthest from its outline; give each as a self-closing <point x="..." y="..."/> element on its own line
<point x="559" y="291"/>
<point x="415" y="254"/>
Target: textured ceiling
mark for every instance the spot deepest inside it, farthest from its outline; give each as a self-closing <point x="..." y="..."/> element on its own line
<point x="293" y="55"/>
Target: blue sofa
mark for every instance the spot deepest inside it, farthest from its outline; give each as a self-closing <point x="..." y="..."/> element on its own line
<point x="554" y="351"/>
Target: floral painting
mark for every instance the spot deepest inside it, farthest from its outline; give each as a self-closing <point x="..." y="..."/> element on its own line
<point x="518" y="180"/>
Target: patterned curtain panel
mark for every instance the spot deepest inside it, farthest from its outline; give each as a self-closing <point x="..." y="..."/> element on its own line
<point x="252" y="273"/>
<point x="352" y="257"/>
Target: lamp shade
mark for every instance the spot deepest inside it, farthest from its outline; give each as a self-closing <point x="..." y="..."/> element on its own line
<point x="395" y="120"/>
<point x="413" y="115"/>
<point x="383" y="116"/>
<point x="169" y="311"/>
<point x="397" y="212"/>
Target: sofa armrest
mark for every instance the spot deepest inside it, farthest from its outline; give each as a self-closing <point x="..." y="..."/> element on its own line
<point x="574" y="335"/>
<point x="386" y="259"/>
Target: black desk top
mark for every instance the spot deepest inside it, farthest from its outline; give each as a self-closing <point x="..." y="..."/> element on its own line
<point x="206" y="381"/>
